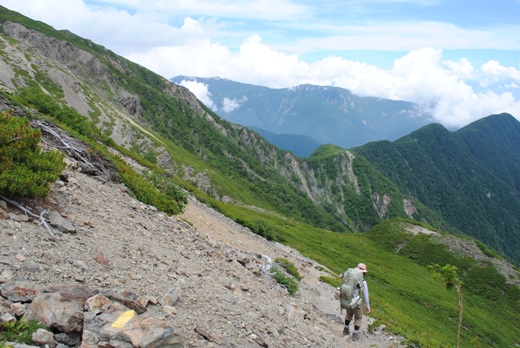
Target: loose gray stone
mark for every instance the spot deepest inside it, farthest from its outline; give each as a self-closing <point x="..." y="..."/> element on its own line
<point x="56" y="220"/>
<point x="20" y="291"/>
<point x="43" y="337"/>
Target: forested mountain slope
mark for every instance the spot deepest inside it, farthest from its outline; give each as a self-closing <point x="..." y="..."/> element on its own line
<point x="471" y="177"/>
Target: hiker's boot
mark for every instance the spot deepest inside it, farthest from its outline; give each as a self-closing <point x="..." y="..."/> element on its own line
<point x="346" y="331"/>
<point x="355" y="336"/>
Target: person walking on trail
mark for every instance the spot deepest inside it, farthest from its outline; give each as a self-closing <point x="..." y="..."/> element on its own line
<point x="355" y="311"/>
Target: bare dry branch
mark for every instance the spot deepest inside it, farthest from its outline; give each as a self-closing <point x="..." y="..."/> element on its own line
<point x="44" y="223"/>
<point x="75" y="152"/>
<point x="27" y="211"/>
<point x="72" y="147"/>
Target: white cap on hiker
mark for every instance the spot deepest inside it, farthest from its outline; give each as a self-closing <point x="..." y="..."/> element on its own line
<point x="362" y="267"/>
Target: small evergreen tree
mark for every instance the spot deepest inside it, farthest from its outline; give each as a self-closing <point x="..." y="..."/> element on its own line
<point x="25" y="170"/>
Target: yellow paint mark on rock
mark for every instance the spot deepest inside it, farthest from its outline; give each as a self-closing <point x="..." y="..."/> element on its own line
<point x="123" y="319"/>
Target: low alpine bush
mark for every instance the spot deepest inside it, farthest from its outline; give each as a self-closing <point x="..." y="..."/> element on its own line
<point x="25" y="170"/>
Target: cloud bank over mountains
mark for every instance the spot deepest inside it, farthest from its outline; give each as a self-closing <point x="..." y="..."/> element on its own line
<point x="454" y="92"/>
<point x="450" y="67"/>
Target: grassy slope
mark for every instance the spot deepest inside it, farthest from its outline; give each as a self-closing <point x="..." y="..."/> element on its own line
<point x="404" y="295"/>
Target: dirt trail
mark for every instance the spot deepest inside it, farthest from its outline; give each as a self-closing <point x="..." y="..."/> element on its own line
<point x="210" y="223"/>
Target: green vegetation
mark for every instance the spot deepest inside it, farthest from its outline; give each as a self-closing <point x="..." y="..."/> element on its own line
<point x="289" y="267"/>
<point x="356" y="199"/>
<point x="25" y="170"/>
<point x="286" y="281"/>
<point x="19" y="331"/>
<point x="449" y="275"/>
<point x="332" y="281"/>
<point x="168" y="186"/>
<point x="469" y="178"/>
<point x="146" y="192"/>
<point x="34" y="97"/>
<point x="160" y="192"/>
<point x="259" y="227"/>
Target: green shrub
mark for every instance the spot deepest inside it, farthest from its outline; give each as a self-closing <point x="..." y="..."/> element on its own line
<point x="146" y="192"/>
<point x="262" y="228"/>
<point x="25" y="170"/>
<point x="486" y="250"/>
<point x="168" y="187"/>
<point x="45" y="104"/>
<point x="333" y="281"/>
<point x="19" y="331"/>
<point x="289" y="267"/>
<point x="288" y="282"/>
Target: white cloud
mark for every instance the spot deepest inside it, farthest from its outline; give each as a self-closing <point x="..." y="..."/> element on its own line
<point x="192" y="25"/>
<point x="229" y="105"/>
<point x="117" y="29"/>
<point x="403" y="36"/>
<point x="421" y="76"/>
<point x="125" y="3"/>
<point x="259" y="9"/>
<point x="462" y="68"/>
<point x="456" y="111"/>
<point x="201" y="92"/>
<point x="493" y="72"/>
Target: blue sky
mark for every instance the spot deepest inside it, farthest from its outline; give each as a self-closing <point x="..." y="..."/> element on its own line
<point x="459" y="60"/>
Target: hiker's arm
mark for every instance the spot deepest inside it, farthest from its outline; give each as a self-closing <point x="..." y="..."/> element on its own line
<point x="366" y="297"/>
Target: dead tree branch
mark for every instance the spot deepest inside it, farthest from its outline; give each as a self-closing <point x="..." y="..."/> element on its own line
<point x="27" y="211"/>
<point x="44" y="223"/>
<point x="73" y="148"/>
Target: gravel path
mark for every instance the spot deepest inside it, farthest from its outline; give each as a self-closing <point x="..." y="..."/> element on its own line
<point x="210" y="223"/>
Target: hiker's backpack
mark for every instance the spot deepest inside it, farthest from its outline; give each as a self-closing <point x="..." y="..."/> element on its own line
<point x="351" y="289"/>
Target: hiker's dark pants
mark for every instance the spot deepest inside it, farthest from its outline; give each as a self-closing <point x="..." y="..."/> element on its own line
<point x="357" y="313"/>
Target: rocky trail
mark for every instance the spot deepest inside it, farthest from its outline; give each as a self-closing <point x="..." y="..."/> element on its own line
<point x="193" y="280"/>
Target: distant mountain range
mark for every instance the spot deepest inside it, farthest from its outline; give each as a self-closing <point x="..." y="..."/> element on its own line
<point x="329" y="115"/>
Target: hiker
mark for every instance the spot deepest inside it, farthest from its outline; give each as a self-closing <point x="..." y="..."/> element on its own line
<point x="355" y="311"/>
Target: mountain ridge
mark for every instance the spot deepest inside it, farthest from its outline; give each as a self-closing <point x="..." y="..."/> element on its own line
<point x="300" y="145"/>
<point x="327" y="114"/>
<point x="447" y="173"/>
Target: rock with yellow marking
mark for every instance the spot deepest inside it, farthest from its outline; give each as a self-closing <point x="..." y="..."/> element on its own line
<point x="110" y="323"/>
<point x="123" y="319"/>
